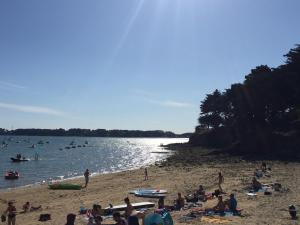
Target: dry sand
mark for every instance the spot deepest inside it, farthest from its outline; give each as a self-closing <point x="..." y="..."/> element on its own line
<point x="183" y="172"/>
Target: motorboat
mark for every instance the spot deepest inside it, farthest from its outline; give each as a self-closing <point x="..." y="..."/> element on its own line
<point x="19" y="159"/>
<point x="11" y="175"/>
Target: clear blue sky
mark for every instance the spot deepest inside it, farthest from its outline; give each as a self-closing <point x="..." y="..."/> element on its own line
<point x="132" y="64"/>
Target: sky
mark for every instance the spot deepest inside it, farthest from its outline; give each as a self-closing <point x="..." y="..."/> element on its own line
<point x="134" y="64"/>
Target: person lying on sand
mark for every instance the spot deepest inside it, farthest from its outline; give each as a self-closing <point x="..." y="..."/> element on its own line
<point x="27" y="207"/>
<point x="256" y="185"/>
<point x="179" y="202"/>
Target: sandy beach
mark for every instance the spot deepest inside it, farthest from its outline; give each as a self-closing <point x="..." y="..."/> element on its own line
<point x="183" y="172"/>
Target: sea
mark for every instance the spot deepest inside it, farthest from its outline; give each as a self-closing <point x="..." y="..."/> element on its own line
<point x="54" y="159"/>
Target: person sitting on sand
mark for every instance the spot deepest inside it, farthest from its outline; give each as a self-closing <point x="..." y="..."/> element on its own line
<point x="232" y="203"/>
<point x="98" y="220"/>
<point x="71" y="219"/>
<point x="129" y="208"/>
<point x="179" y="202"/>
<point x="97" y="211"/>
<point x="90" y="221"/>
<point x="256" y="185"/>
<point x="200" y="194"/>
<point x="27" y="207"/>
<point x="258" y="173"/>
<point x="161" y="203"/>
<point x="220" y="207"/>
<point x="118" y="219"/>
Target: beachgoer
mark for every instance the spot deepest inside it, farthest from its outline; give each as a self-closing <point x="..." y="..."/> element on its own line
<point x="161" y="203"/>
<point x="200" y="194"/>
<point x="179" y="202"/>
<point x="146" y="174"/>
<point x="293" y="212"/>
<point x="118" y="219"/>
<point x="86" y="176"/>
<point x="129" y="208"/>
<point x="98" y="220"/>
<point x="71" y="219"/>
<point x="220" y="207"/>
<point x="90" y="221"/>
<point x="97" y="210"/>
<point x="232" y="203"/>
<point x="11" y="213"/>
<point x="256" y="185"/>
<point x="220" y="181"/>
<point x="258" y="173"/>
<point x="263" y="167"/>
<point x="27" y="207"/>
<point x="133" y="220"/>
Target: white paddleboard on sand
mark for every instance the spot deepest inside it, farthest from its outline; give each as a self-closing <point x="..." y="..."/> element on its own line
<point x="148" y="191"/>
<point x="139" y="205"/>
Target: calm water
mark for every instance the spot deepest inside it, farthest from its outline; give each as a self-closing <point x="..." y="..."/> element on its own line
<point x="100" y="155"/>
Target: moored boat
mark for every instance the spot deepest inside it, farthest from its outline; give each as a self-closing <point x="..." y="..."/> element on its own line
<point x="19" y="160"/>
<point x="11" y="175"/>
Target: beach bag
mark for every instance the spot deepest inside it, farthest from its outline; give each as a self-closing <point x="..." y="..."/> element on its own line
<point x="44" y="217"/>
<point x="3" y="218"/>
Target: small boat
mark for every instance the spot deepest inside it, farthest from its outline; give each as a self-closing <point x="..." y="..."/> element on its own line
<point x="32" y="146"/>
<point x="11" y="175"/>
<point x="40" y="142"/>
<point x="19" y="160"/>
<point x="86" y="142"/>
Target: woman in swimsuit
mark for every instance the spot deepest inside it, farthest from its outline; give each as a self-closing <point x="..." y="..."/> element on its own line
<point x="11" y="214"/>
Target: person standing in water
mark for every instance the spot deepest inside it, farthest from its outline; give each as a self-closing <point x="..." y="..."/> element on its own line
<point x="86" y="176"/>
<point x="146" y="174"/>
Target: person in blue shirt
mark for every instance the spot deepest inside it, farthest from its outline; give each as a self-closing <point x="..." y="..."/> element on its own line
<point x="232" y="203"/>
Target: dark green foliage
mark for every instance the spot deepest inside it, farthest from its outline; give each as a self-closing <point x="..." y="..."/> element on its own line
<point x="260" y="115"/>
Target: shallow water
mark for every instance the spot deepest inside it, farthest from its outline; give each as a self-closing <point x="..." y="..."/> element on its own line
<point x="56" y="162"/>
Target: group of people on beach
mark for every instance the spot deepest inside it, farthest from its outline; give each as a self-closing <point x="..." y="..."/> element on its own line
<point x="11" y="212"/>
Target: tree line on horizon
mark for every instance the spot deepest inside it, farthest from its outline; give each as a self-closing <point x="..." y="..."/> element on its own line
<point x="91" y="133"/>
<point x="259" y="115"/>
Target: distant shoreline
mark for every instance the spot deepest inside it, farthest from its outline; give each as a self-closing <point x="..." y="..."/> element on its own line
<point x="76" y="132"/>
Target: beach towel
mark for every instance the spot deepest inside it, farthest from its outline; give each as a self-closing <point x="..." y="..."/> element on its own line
<point x="225" y="213"/>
